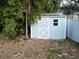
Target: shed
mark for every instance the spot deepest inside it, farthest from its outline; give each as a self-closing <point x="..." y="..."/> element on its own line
<point x="49" y="26"/>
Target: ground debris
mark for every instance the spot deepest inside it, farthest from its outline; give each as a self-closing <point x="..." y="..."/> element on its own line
<point x="65" y="54"/>
<point x="17" y="54"/>
<point x="59" y="55"/>
<point x="0" y="50"/>
<point x="38" y="49"/>
<point x="72" y="56"/>
<point x="73" y="50"/>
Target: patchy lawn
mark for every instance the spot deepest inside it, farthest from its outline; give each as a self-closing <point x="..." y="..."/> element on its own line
<point x="38" y="49"/>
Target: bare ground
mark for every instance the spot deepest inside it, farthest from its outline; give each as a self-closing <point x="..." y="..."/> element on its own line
<point x="38" y="49"/>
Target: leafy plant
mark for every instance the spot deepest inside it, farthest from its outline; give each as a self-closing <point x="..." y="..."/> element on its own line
<point x="12" y="14"/>
<point x="9" y="29"/>
<point x="11" y="18"/>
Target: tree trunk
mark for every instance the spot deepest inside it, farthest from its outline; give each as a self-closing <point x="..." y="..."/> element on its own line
<point x="27" y="10"/>
<point x="26" y="27"/>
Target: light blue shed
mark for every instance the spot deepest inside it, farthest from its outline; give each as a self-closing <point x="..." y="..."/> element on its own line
<point x="51" y="26"/>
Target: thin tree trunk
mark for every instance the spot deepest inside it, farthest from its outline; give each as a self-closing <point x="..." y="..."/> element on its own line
<point x="26" y="27"/>
<point x="27" y="10"/>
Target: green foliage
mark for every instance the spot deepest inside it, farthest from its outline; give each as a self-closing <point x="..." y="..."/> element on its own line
<point x="9" y="29"/>
<point x="38" y="7"/>
<point x="12" y="16"/>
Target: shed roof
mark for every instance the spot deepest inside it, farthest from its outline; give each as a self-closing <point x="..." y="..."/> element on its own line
<point x="54" y="15"/>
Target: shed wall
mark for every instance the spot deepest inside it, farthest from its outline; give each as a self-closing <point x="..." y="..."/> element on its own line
<point x="58" y="32"/>
<point x="44" y="28"/>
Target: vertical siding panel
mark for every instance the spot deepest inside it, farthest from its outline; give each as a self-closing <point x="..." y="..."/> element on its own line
<point x="34" y="30"/>
<point x="75" y="30"/>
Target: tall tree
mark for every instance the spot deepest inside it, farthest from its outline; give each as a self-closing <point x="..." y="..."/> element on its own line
<point x="27" y="11"/>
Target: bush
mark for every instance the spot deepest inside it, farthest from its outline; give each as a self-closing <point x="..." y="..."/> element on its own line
<point x="9" y="29"/>
<point x="12" y="18"/>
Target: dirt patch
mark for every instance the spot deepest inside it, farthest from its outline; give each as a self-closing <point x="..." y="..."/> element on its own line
<point x="38" y="49"/>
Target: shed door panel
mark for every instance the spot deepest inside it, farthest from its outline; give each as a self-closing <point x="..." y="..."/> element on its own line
<point x="43" y="28"/>
<point x="43" y="33"/>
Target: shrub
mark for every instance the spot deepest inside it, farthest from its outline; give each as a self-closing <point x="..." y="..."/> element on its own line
<point x="9" y="29"/>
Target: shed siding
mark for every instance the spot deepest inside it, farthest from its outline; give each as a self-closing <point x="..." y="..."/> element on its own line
<point x="58" y="32"/>
<point x="45" y="29"/>
<point x="34" y="30"/>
